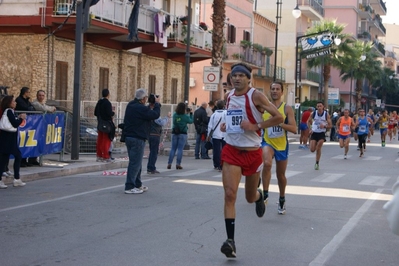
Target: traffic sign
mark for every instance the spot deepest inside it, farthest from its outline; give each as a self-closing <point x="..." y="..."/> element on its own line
<point x="211" y="75"/>
<point x="333" y="96"/>
<point x="378" y="102"/>
<point x="210" y="87"/>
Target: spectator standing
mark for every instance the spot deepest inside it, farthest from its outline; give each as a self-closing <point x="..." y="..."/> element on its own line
<point x="211" y="108"/>
<point x="103" y="110"/>
<point x="136" y="130"/>
<point x="201" y="120"/>
<point x="179" y="134"/>
<point x="334" y="120"/>
<point x="40" y="104"/>
<point x="9" y="141"/>
<point x="217" y="135"/>
<point x="155" y="138"/>
<point x="24" y="104"/>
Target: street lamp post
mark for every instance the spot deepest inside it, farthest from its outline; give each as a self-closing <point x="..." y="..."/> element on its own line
<point x="278" y="18"/>
<point x="362" y="58"/>
<point x="187" y="56"/>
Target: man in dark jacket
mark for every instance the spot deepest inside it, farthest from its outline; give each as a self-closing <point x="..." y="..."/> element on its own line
<point x="24" y="104"/>
<point x="103" y="111"/>
<point x="136" y="130"/>
<point x="201" y="120"/>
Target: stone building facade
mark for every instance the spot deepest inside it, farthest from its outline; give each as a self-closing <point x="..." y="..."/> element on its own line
<point x="31" y="60"/>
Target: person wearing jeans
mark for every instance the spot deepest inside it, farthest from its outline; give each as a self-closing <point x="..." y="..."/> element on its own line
<point x="179" y="133"/>
<point x="215" y="135"/>
<point x="178" y="142"/>
<point x="136" y="130"/>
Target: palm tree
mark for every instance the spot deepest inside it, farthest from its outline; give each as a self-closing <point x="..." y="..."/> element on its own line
<point x="360" y="63"/>
<point x="386" y="83"/>
<point x="218" y="40"/>
<point x="337" y="52"/>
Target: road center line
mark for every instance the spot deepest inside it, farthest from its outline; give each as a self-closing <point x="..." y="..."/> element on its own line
<point x="327" y="252"/>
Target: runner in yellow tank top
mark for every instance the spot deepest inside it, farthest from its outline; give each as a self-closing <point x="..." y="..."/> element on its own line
<point x="383" y="121"/>
<point x="275" y="145"/>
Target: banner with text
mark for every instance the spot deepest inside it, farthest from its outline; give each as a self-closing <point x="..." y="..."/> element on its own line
<point x="42" y="134"/>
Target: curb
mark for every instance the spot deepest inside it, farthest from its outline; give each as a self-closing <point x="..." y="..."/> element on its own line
<point x="68" y="170"/>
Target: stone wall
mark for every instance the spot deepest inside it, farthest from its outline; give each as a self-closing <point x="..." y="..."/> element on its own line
<point x="30" y="60"/>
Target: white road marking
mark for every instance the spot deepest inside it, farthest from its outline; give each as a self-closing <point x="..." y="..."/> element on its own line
<point x="328" y="251"/>
<point x="371" y="158"/>
<point x="67" y="197"/>
<point x="375" y="180"/>
<point x="192" y="172"/>
<point x="288" y="174"/>
<point x="327" y="178"/>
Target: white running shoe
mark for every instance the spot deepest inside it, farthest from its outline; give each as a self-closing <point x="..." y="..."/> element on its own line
<point x="144" y="188"/>
<point x="345" y="156"/>
<point x="2" y="185"/>
<point x="134" y="191"/>
<point x="18" y="183"/>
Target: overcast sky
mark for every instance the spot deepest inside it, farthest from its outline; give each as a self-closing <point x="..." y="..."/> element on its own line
<point x="392" y="14"/>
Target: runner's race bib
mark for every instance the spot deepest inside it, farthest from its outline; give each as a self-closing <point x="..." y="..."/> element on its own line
<point x="275" y="132"/>
<point x="233" y="121"/>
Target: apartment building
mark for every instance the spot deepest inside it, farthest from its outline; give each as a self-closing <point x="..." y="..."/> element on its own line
<point x="289" y="29"/>
<point x="249" y="38"/>
<point x="38" y="48"/>
<point x="363" y="21"/>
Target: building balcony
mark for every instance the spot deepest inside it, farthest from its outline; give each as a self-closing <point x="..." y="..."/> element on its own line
<point x="364" y="35"/>
<point x="235" y="53"/>
<point x="366" y="12"/>
<point x="267" y="72"/>
<point x="379" y="48"/>
<point x="118" y="12"/>
<point x="311" y="9"/>
<point x="379" y="7"/>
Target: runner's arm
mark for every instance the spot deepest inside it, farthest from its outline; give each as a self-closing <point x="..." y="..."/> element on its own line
<point x="291" y="125"/>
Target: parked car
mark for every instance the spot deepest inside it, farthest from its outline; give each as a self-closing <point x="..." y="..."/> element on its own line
<point x="88" y="131"/>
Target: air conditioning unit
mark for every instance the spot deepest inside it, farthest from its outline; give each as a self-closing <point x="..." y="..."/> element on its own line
<point x="192" y="82"/>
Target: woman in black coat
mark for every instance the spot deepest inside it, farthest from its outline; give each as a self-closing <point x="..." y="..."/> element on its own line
<point x="9" y="140"/>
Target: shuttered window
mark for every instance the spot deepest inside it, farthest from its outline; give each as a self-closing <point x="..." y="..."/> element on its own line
<point x="104" y="79"/>
<point x="151" y="84"/>
<point x="61" y="80"/>
<point x="246" y="36"/>
<point x="231" y="34"/>
<point x="173" y="96"/>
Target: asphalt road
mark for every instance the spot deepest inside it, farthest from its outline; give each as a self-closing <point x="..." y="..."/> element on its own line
<point x="334" y="216"/>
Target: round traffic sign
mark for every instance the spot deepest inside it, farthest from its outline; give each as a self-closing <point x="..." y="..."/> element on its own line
<point x="211" y="77"/>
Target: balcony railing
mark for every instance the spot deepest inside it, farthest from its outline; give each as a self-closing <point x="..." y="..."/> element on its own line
<point x="313" y="76"/>
<point x="364" y="35"/>
<point x="268" y="72"/>
<point x="314" y="4"/>
<point x="245" y="54"/>
<point x="383" y="6"/>
<point x="117" y="12"/>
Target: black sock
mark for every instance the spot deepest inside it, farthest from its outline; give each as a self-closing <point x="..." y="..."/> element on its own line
<point x="317" y="162"/>
<point x="230" y="228"/>
<point x="265" y="194"/>
<point x="281" y="201"/>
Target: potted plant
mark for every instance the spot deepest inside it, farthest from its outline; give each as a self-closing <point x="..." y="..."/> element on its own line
<point x="245" y="44"/>
<point x="267" y="51"/>
<point x="184" y="20"/>
<point x="203" y="26"/>
<point x="257" y="47"/>
<point x="235" y="56"/>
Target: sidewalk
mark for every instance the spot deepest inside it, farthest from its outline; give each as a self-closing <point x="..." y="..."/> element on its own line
<point x="53" y="166"/>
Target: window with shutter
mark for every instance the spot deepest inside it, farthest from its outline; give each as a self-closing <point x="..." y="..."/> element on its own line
<point x="104" y="79"/>
<point x="173" y="99"/>
<point x="61" y="81"/>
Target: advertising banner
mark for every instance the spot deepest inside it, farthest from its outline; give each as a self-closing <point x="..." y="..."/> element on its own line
<point x="41" y="134"/>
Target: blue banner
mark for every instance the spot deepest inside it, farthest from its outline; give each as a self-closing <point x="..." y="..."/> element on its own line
<point x="41" y="134"/>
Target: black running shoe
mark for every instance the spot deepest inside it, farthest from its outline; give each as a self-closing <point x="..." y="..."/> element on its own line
<point x="260" y="206"/>
<point x="229" y="248"/>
